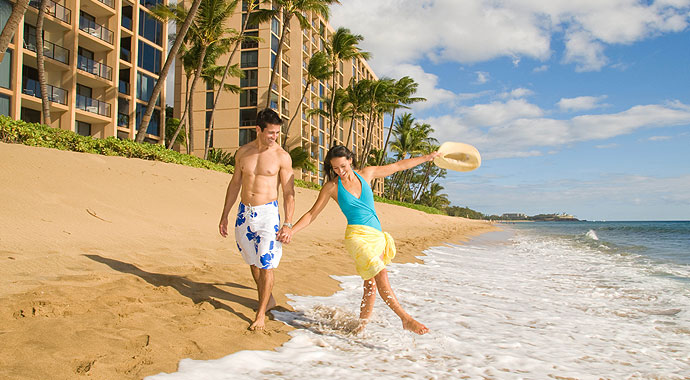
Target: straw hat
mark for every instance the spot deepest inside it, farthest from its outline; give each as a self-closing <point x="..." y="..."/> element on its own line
<point x="458" y="156"/>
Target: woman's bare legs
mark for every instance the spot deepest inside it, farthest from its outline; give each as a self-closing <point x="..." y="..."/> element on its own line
<point x="367" y="305"/>
<point x="384" y="288"/>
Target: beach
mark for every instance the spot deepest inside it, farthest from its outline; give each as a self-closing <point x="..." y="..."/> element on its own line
<point x="114" y="268"/>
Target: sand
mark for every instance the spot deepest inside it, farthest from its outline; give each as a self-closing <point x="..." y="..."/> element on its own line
<point x="112" y="268"/>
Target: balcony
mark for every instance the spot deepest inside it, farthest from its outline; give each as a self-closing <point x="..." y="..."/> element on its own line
<point x="95" y="68"/>
<point x="109" y="3"/>
<point x="93" y="105"/>
<point x="96" y="30"/>
<point x="54" y="9"/>
<point x="55" y="94"/>
<point x="50" y="50"/>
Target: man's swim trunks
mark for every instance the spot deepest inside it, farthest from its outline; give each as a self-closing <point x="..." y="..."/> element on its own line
<point x="255" y="233"/>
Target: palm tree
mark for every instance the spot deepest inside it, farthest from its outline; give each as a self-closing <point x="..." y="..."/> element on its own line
<point x="12" y="24"/>
<point x="432" y="198"/>
<point x="401" y="93"/>
<point x="342" y="46"/>
<point x="430" y="169"/>
<point x="285" y="10"/>
<point x="379" y="101"/>
<point x="338" y="109"/>
<point x="40" y="62"/>
<point x="211" y="75"/>
<point x="241" y="36"/>
<point x="208" y="31"/>
<point x="357" y="93"/>
<point x="317" y="69"/>
<point x="146" y="118"/>
<point x="300" y="160"/>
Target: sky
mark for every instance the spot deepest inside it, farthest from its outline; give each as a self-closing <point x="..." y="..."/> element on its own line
<point x="577" y="106"/>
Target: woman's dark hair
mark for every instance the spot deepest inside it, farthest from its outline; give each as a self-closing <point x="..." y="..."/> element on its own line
<point x="336" y="151"/>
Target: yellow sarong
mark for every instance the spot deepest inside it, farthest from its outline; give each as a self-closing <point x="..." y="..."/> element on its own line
<point x="371" y="249"/>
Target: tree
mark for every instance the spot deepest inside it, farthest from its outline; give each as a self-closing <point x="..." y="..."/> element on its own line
<point x="211" y="75"/>
<point x="317" y="69"/>
<point x="300" y="160"/>
<point x="401" y="94"/>
<point x="12" y="24"/>
<point x="166" y="67"/>
<point x="379" y="102"/>
<point x="433" y="198"/>
<point x="251" y="6"/>
<point x="357" y="95"/>
<point x="285" y="10"/>
<point x="342" y="46"/>
<point x="40" y="62"/>
<point x="207" y="31"/>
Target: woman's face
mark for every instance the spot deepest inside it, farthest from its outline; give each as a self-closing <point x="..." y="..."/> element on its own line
<point x="341" y="166"/>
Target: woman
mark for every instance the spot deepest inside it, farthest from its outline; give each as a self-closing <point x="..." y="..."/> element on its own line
<point x="370" y="247"/>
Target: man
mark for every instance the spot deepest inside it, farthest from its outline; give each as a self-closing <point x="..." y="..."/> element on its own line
<point x="260" y="166"/>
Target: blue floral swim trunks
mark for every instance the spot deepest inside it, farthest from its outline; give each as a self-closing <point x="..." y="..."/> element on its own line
<point x="255" y="233"/>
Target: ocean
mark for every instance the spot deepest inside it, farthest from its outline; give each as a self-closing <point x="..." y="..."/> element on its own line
<point x="558" y="300"/>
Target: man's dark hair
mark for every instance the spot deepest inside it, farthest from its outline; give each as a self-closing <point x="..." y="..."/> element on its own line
<point x="267" y="116"/>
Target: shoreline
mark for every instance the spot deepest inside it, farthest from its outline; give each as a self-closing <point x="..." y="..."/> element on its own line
<point x="113" y="267"/>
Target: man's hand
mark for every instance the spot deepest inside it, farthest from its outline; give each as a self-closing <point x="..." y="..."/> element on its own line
<point x="284" y="235"/>
<point x="223" y="227"/>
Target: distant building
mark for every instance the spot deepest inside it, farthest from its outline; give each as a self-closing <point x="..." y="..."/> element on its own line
<point x="514" y="216"/>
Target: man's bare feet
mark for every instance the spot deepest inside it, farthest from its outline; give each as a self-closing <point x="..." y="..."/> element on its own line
<point x="259" y="324"/>
<point x="415" y="327"/>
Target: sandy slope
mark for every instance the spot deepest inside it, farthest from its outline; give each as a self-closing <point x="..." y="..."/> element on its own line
<point x="112" y="268"/>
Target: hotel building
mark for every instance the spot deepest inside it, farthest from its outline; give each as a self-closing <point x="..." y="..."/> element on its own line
<point x="235" y="115"/>
<point x="102" y="59"/>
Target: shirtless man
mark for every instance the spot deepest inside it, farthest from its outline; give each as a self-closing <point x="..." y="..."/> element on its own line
<point x="260" y="166"/>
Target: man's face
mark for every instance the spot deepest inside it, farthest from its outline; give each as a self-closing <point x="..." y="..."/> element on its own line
<point x="269" y="135"/>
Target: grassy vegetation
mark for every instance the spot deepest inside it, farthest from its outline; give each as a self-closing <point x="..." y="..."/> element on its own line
<point x="34" y="134"/>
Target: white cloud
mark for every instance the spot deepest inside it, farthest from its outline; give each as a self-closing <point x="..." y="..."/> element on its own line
<point x="580" y="103"/>
<point x="606" y="146"/>
<point x="517" y="128"/>
<point x="468" y="31"/>
<point x="540" y="69"/>
<point x="482" y="77"/>
<point x="659" y="138"/>
<point x="517" y="93"/>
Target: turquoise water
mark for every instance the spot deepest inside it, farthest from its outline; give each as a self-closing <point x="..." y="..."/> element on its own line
<point x="657" y="242"/>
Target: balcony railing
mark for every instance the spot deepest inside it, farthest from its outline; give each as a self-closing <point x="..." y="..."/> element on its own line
<point x="50" y="49"/>
<point x="123" y="87"/>
<point x="55" y="94"/>
<point x="96" y="30"/>
<point x="54" y="9"/>
<point x="93" y="105"/>
<point x="110" y="3"/>
<point x="95" y="68"/>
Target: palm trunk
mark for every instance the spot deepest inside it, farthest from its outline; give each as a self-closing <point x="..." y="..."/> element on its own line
<point x="277" y="61"/>
<point x="164" y="72"/>
<point x="12" y="24"/>
<point x="388" y="135"/>
<point x="331" y="114"/>
<point x="367" y="142"/>
<point x="182" y="120"/>
<point x="349" y="134"/>
<point x="40" y="59"/>
<point x="287" y="130"/>
<point x="190" y="116"/>
<point x="252" y="5"/>
<point x="424" y="181"/>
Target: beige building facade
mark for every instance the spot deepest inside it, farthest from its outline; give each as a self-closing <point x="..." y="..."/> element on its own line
<point x="235" y="115"/>
<point x="102" y="59"/>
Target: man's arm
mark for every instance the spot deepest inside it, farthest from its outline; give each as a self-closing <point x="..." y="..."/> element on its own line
<point x="231" y="196"/>
<point x="287" y="182"/>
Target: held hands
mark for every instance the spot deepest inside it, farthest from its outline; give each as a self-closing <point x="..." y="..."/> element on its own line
<point x="284" y="235"/>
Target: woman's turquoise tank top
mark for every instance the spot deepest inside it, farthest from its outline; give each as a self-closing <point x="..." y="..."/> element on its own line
<point x="358" y="210"/>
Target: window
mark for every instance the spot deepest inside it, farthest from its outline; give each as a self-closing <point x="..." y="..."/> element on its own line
<point x="248" y="117"/>
<point x="275" y="26"/>
<point x="250" y="79"/>
<point x="4" y="105"/>
<point x="6" y="70"/>
<point x="208" y="129"/>
<point x="250" y="44"/>
<point x="83" y="128"/>
<point x="210" y="97"/>
<point x="149" y="58"/>
<point x="248" y="98"/>
<point x="153" y="128"/>
<point x="5" y="11"/>
<point x="150" y="3"/>
<point x="247" y="135"/>
<point x="150" y="28"/>
<point x="275" y="43"/>
<point x="145" y="86"/>
<point x="250" y="59"/>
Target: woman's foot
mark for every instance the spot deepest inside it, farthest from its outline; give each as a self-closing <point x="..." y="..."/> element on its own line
<point x="415" y="327"/>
